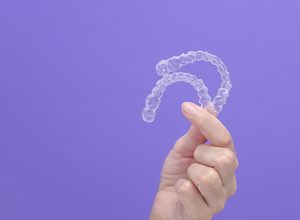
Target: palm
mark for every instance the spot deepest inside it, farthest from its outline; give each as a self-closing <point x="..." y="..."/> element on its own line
<point x="167" y="205"/>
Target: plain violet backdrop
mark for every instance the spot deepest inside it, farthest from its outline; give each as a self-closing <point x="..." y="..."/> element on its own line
<point x="73" y="79"/>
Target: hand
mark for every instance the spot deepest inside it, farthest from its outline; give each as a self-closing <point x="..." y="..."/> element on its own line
<point x="197" y="177"/>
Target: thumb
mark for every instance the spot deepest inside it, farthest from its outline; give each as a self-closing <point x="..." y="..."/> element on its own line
<point x="193" y="133"/>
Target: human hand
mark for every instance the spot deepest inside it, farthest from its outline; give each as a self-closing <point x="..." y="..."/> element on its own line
<point x="198" y="175"/>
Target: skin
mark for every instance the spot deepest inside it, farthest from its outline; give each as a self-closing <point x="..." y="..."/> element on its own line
<point x="198" y="175"/>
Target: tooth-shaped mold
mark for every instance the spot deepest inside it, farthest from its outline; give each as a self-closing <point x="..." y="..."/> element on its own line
<point x="169" y="70"/>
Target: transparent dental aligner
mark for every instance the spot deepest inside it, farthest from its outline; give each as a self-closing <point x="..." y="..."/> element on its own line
<point x="169" y="70"/>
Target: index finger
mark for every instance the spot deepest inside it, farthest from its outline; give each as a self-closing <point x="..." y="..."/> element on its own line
<point x="208" y="125"/>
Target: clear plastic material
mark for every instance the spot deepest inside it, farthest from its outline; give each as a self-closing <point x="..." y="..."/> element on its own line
<point x="170" y="71"/>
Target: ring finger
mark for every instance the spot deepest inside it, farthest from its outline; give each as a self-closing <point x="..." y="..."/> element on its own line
<point x="208" y="182"/>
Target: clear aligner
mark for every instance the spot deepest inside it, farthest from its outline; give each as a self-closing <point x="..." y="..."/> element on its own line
<point x="169" y="68"/>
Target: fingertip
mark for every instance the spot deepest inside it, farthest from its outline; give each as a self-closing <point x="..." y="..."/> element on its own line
<point x="189" y="109"/>
<point x="193" y="112"/>
<point x="184" y="105"/>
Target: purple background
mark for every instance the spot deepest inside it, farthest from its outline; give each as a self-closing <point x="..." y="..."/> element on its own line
<point x="73" y="79"/>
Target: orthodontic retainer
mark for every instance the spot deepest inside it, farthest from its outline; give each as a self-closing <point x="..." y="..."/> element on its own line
<point x="169" y="70"/>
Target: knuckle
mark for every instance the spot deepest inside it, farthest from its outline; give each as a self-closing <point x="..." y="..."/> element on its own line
<point x="185" y="188"/>
<point x="226" y="158"/>
<point x="191" y="169"/>
<point x="226" y="140"/>
<point x="209" y="178"/>
<point x="197" y="152"/>
<point x="180" y="140"/>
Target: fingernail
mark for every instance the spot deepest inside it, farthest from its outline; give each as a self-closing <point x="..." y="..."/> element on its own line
<point x="189" y="108"/>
